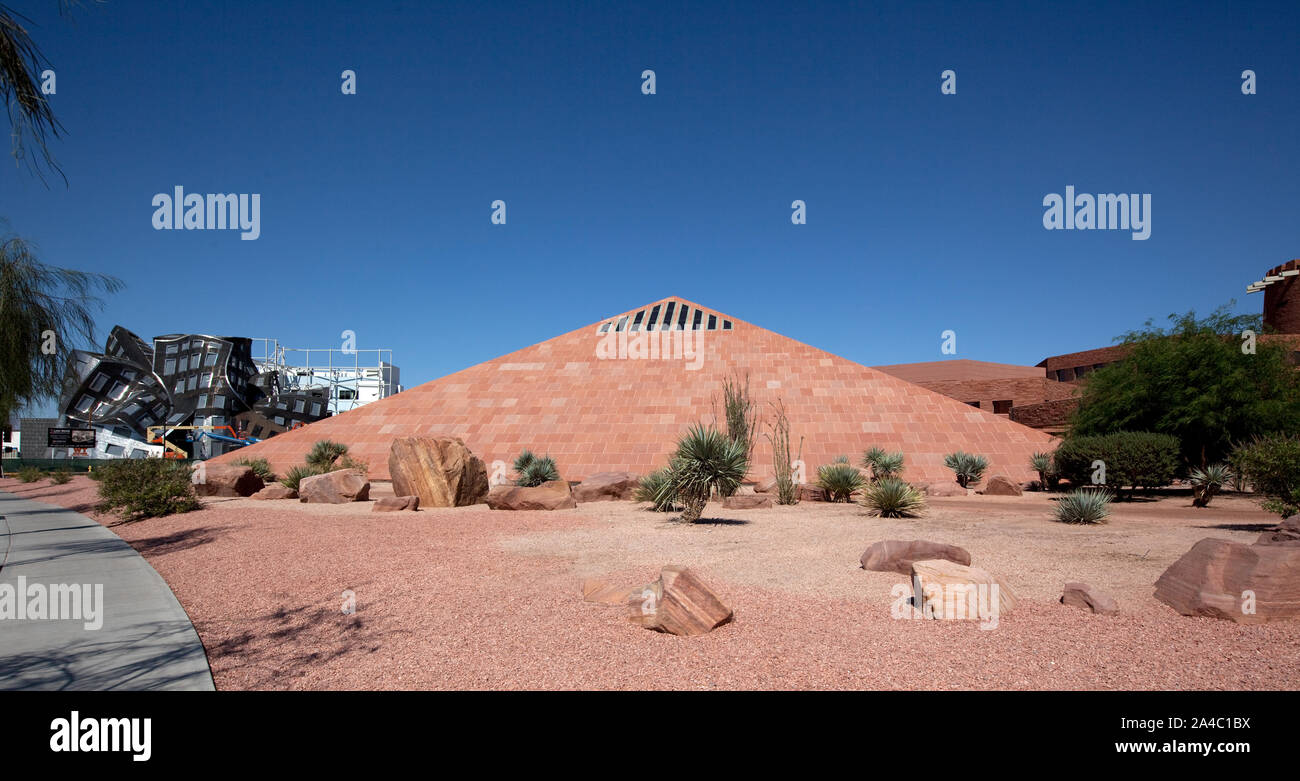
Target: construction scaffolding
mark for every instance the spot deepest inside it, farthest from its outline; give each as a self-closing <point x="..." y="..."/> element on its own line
<point x="353" y="377"/>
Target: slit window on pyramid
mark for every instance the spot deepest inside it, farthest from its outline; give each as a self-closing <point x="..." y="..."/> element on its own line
<point x="668" y="316"/>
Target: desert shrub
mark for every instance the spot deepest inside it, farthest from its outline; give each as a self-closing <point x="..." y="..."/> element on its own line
<point x="706" y="460"/>
<point x="967" y="467"/>
<point x="297" y="474"/>
<point x="260" y="466"/>
<point x="787" y="490"/>
<point x="60" y="478"/>
<point x="138" y="488"/>
<point x="649" y="489"/>
<point x="1083" y="505"/>
<point x="533" y="470"/>
<point x="890" y="497"/>
<point x="1042" y="464"/>
<point x="30" y="474"/>
<point x="1207" y="482"/>
<point x="888" y="465"/>
<point x="348" y="462"/>
<point x="839" y="480"/>
<point x="1271" y="465"/>
<point x="324" y="453"/>
<point x="1134" y="459"/>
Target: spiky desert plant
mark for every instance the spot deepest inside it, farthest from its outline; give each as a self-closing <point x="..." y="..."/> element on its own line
<point x="1083" y="505"/>
<point x="706" y="459"/>
<point x="839" y="480"/>
<point x="260" y="466"/>
<point x="324" y="453"/>
<point x="1042" y="464"/>
<point x="536" y="470"/>
<point x="887" y="465"/>
<point x="891" y="497"/>
<point x="523" y="460"/>
<point x="968" y="467"/>
<point x="297" y="474"/>
<point x="648" y="489"/>
<point x="870" y="457"/>
<point x="1207" y="482"/>
<point x="787" y="490"/>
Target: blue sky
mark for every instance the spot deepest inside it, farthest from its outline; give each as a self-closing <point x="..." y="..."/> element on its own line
<point x="924" y="210"/>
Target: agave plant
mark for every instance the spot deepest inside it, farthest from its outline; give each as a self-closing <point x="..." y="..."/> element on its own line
<point x="890" y="497"/>
<point x="649" y="489"/>
<point x="1083" y="505"/>
<point x="1042" y="464"/>
<point x="1207" y="482"/>
<point x="968" y="467"/>
<point x="324" y="453"/>
<point x="534" y="470"/>
<point x="706" y="460"/>
<point x="297" y="474"/>
<point x="839" y="480"/>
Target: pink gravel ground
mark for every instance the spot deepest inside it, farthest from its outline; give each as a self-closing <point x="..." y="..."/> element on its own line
<point x="470" y="598"/>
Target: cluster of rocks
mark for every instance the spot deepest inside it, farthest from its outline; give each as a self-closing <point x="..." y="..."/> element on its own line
<point x="678" y="603"/>
<point x="1247" y="584"/>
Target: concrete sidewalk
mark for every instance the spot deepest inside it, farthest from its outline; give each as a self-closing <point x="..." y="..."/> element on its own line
<point x="146" y="640"/>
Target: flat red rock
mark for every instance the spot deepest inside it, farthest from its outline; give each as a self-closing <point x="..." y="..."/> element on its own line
<point x="1247" y="584"/>
<point x="898" y="555"/>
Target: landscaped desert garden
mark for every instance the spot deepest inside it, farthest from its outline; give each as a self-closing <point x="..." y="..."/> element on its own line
<point x="471" y="598"/>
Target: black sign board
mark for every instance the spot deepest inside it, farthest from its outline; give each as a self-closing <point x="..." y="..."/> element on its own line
<point x="70" y="437"/>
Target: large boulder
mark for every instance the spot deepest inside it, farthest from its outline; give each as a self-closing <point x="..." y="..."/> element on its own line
<point x="1089" y="597"/>
<point x="225" y="480"/>
<point x="338" y="487"/>
<point x="439" y="470"/>
<point x="1248" y="584"/>
<point x="389" y="504"/>
<point x="607" y="487"/>
<point x="1000" y="485"/>
<point x="747" y="502"/>
<point x="677" y="603"/>
<point x="275" y="491"/>
<point x="945" y="589"/>
<point x="554" y="495"/>
<point x="811" y="493"/>
<point x="899" y="555"/>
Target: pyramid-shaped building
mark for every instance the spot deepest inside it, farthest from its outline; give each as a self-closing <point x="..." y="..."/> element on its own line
<point x="616" y="395"/>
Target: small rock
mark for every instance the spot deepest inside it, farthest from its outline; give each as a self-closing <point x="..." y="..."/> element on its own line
<point x="607" y="487"/>
<point x="811" y="493"/>
<point x="225" y="480"/>
<point x="390" y="504"/>
<point x="941" y="587"/>
<point x="554" y="495"/>
<point x="747" y="502"/>
<point x="679" y="604"/>
<point x="999" y="485"/>
<point x="602" y="592"/>
<point x="943" y="489"/>
<point x="338" y="487"/>
<point x="1089" y="597"/>
<point x="275" y="491"/>
<point x="766" y="486"/>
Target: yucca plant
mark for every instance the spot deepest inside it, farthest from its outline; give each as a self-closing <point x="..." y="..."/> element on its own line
<point x="888" y="465"/>
<point x="324" y="453"/>
<point x="1207" y="482"/>
<point x="872" y="455"/>
<point x="1042" y="464"/>
<point x="839" y="480"/>
<point x="649" y="489"/>
<point x="968" y="467"/>
<point x="1083" y="505"/>
<point x="534" y="470"/>
<point x="891" y="497"/>
<point x="706" y="460"/>
<point x="297" y="474"/>
<point x="260" y="466"/>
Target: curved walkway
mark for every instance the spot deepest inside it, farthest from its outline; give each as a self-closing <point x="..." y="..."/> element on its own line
<point x="135" y="636"/>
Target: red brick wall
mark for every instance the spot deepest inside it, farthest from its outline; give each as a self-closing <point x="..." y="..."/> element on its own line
<point x="1282" y="301"/>
<point x="1050" y="415"/>
<point x="1019" y="391"/>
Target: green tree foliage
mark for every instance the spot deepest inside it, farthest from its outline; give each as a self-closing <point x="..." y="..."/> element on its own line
<point x="1135" y="459"/>
<point x="1192" y="380"/>
<point x="1271" y="465"/>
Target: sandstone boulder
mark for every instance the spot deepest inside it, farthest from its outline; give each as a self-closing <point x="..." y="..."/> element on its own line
<point x="275" y="491"/>
<point x="899" y="555"/>
<point x="747" y="502"/>
<point x="439" y="470"/>
<point x="554" y="495"/>
<point x="1000" y="485"/>
<point x="766" y="486"/>
<point x="1213" y="578"/>
<point x="943" y="489"/>
<point x="339" y="487"/>
<point x="678" y="603"/>
<point x="811" y="493"/>
<point x="944" y="589"/>
<point x="225" y="480"/>
<point x="389" y="504"/>
<point x="607" y="487"/>
<point x="1089" y="597"/>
